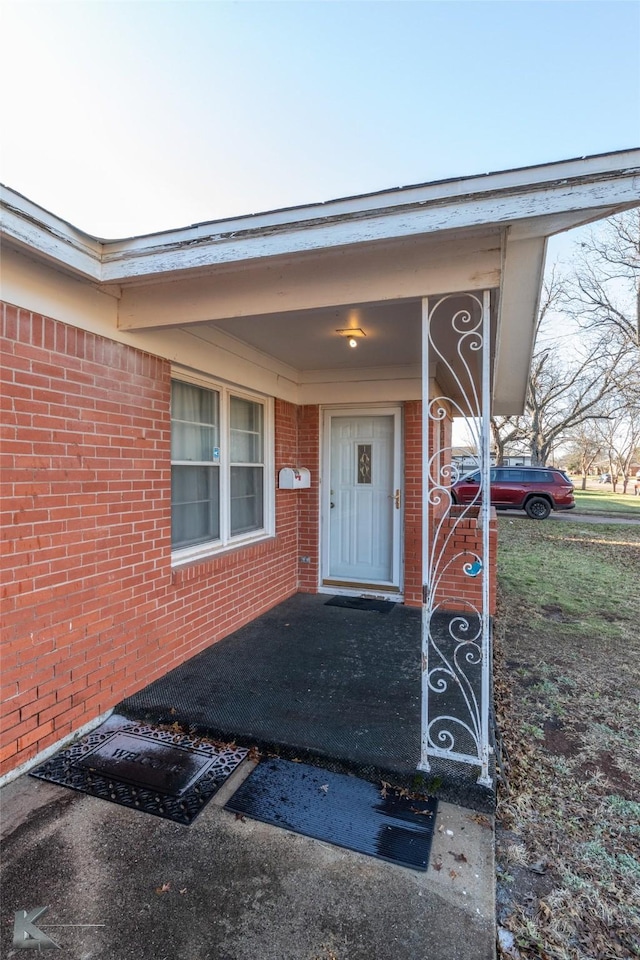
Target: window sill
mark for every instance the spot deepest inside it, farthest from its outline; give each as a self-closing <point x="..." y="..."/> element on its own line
<point x="203" y="553"/>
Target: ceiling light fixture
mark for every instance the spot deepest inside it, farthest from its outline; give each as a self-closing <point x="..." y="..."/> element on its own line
<point x="352" y="335"/>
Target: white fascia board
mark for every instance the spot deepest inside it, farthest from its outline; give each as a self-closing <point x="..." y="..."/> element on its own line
<point x="31" y="229"/>
<point x="374" y="273"/>
<point x="397" y="197"/>
<point x="523" y="270"/>
<point x="576" y="200"/>
<point x="604" y="183"/>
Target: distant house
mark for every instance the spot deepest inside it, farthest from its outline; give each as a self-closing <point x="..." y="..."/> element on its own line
<point x="466" y="460"/>
<point x="201" y="422"/>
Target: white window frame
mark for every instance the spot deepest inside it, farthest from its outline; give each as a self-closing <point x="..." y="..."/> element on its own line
<point x="226" y="542"/>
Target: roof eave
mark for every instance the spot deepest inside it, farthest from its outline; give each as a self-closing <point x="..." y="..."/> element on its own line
<point x="576" y="191"/>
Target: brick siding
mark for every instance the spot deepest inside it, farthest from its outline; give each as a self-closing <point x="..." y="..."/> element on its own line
<point x="413" y="503"/>
<point x="457" y="543"/>
<point x="92" y="610"/>
<point x="309" y="500"/>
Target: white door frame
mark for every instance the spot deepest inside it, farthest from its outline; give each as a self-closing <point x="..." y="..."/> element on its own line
<point x="392" y="589"/>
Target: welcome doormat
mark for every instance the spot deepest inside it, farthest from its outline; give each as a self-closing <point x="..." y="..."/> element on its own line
<point x="162" y="772"/>
<point x="338" y="809"/>
<point x="361" y="603"/>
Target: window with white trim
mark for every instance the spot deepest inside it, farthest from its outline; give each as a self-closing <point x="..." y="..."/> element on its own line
<point x="219" y="468"/>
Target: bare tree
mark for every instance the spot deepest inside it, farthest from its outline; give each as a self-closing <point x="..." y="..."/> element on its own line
<point x="544" y="404"/>
<point x="577" y="378"/>
<point x="509" y="433"/>
<point x="563" y="394"/>
<point x="603" y="290"/>
<point x="585" y="448"/>
<point x="620" y="433"/>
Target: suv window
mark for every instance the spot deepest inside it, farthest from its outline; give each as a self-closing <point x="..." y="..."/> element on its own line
<point x="509" y="475"/>
<point x="538" y="476"/>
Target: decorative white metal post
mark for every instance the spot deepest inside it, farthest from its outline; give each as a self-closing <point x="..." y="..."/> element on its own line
<point x="456" y="638"/>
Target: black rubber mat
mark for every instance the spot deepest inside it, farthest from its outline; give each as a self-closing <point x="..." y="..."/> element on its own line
<point x="162" y="772"/>
<point x="361" y="603"/>
<point x="339" y="809"/>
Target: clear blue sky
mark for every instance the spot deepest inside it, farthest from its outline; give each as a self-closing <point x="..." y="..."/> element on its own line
<point x="129" y="117"/>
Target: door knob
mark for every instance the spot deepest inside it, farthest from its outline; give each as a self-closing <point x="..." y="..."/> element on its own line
<point x="396" y="497"/>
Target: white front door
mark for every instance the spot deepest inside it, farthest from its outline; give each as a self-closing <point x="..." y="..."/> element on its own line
<point x="362" y="500"/>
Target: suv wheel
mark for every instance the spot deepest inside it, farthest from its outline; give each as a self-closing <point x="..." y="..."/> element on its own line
<point x="537" y="508"/>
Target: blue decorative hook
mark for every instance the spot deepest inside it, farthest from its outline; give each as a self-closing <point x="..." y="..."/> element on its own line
<point x="473" y="569"/>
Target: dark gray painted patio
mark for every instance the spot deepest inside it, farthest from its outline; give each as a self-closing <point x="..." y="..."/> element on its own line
<point x="331" y="686"/>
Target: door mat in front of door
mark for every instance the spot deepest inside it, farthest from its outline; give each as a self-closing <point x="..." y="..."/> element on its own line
<point x="338" y="809"/>
<point x="162" y="772"/>
<point x="361" y="603"/>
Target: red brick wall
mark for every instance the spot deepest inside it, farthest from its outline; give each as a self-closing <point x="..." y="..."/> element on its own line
<point x="413" y="503"/>
<point x="460" y="541"/>
<point x="309" y="500"/>
<point x="464" y="539"/>
<point x="92" y="610"/>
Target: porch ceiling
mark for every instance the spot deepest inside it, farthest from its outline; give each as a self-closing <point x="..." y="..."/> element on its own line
<point x="308" y="340"/>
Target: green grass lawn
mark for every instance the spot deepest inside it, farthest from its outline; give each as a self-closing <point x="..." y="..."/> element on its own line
<point x="567" y="679"/>
<point x="575" y="569"/>
<point x="604" y="501"/>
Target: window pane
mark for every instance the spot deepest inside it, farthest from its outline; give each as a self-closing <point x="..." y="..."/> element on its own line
<point x="195" y="505"/>
<point x="189" y="402"/>
<point x="246" y="499"/>
<point x="194" y="422"/>
<point x="190" y="442"/>
<point x="246" y="431"/>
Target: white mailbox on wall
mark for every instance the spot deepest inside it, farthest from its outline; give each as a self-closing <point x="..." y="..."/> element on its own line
<point x="294" y="478"/>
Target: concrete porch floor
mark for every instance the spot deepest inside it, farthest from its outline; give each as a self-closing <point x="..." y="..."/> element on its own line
<point x="328" y="685"/>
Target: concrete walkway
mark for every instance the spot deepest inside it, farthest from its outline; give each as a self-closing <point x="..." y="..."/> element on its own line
<point x="572" y="515"/>
<point x="598" y="518"/>
<point x="233" y="889"/>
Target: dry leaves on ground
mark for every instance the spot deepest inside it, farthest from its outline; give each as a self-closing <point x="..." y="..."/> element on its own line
<point x="567" y="691"/>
